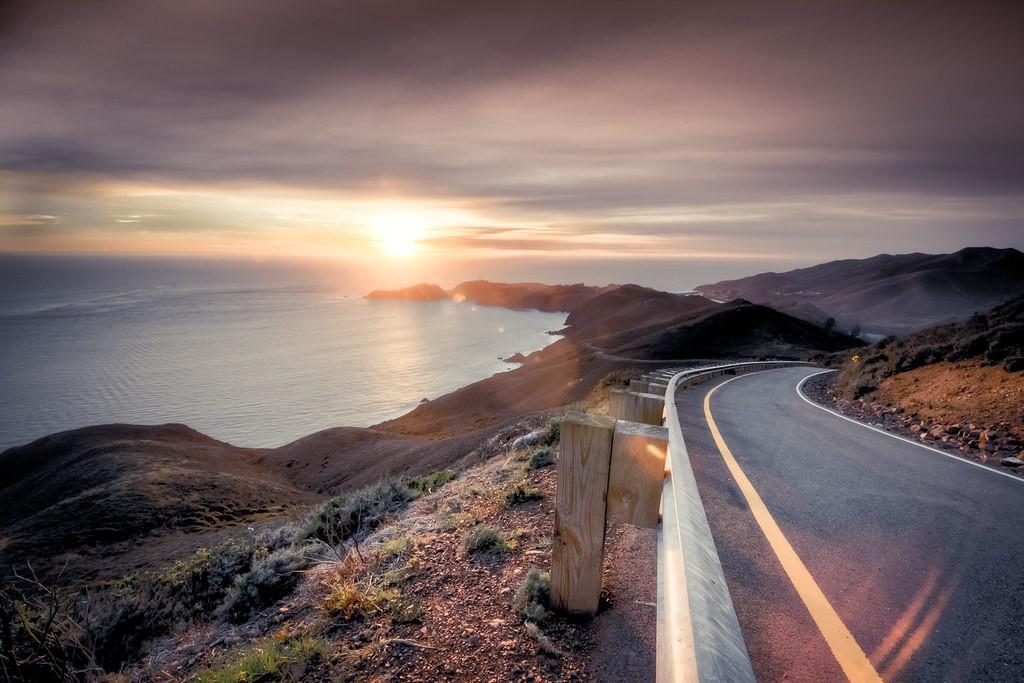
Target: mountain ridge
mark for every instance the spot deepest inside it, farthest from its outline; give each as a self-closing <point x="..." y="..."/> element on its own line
<point x="887" y="293"/>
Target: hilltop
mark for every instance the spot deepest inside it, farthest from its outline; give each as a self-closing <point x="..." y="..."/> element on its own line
<point x="887" y="294"/>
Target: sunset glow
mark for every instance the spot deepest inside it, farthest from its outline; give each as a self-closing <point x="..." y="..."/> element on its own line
<point x="644" y="132"/>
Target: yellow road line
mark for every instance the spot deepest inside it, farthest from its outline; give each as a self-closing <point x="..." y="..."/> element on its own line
<point x="848" y="653"/>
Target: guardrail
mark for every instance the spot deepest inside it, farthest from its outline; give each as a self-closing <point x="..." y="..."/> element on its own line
<point x="699" y="637"/>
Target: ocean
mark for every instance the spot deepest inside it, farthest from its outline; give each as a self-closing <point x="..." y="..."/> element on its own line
<point x="252" y="354"/>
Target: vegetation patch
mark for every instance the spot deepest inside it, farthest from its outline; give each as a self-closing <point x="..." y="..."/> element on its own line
<point x="351" y="600"/>
<point x="520" y="493"/>
<point x="484" y="540"/>
<point x="542" y="457"/>
<point x="552" y="432"/>
<point x="532" y="595"/>
<point x="271" y="661"/>
<point x="359" y="512"/>
<point x="271" y="578"/>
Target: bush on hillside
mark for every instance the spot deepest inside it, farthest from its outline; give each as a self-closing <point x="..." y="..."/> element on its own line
<point x="484" y="540"/>
<point x="532" y="595"/>
<point x="271" y="578"/>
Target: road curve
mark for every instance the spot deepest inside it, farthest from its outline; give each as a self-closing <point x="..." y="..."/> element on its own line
<point x="920" y="556"/>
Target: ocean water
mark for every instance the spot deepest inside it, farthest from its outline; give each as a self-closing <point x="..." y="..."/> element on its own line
<point x="256" y="356"/>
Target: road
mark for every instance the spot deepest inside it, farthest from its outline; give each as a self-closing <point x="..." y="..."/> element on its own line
<point x="917" y="558"/>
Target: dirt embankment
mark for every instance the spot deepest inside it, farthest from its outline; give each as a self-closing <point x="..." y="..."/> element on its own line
<point x="959" y="409"/>
<point x="960" y="384"/>
<point x="958" y="392"/>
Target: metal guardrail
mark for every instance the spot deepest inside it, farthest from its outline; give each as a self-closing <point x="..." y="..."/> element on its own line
<point x="699" y="637"/>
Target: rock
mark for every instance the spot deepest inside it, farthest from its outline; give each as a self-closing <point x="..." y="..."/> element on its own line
<point x="1012" y="462"/>
<point x="526" y="440"/>
<point x="936" y="432"/>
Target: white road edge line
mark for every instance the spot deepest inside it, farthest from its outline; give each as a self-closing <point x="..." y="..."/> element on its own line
<point x="800" y="393"/>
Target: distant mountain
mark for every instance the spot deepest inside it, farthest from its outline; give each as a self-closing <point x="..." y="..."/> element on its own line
<point x="420" y="292"/>
<point x="887" y="294"/>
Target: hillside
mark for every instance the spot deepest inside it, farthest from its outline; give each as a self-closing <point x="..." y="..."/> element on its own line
<point x="887" y="294"/>
<point x="90" y="496"/>
<point x="959" y="385"/>
<point x="738" y="329"/>
<point x="994" y="339"/>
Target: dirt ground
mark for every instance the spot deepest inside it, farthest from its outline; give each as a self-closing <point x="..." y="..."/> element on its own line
<point x="958" y="392"/>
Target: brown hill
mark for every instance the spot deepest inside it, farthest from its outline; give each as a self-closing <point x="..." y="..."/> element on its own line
<point x="420" y="292"/>
<point x="992" y="339"/>
<point x="735" y="330"/>
<point x="887" y="294"/>
<point x="100" y="490"/>
<point x="534" y="295"/>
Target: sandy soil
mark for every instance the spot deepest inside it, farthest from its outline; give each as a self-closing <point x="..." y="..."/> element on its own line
<point x="958" y="392"/>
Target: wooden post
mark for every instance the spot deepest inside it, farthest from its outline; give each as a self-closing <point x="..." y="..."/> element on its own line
<point x="618" y="404"/>
<point x="657" y="387"/>
<point x="584" y="460"/>
<point x="643" y="408"/>
<point x="638" y="385"/>
<point x="637" y="474"/>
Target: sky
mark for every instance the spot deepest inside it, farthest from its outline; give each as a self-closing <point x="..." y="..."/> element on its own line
<point x="564" y="140"/>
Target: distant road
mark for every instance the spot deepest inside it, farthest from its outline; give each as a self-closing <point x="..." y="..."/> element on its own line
<point x="912" y="562"/>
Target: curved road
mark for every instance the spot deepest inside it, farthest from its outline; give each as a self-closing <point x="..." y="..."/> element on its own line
<point x="920" y="556"/>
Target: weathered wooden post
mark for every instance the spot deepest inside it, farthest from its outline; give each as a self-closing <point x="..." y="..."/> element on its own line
<point x="636" y="407"/>
<point x="584" y="463"/>
<point x="638" y="385"/>
<point x="637" y="474"/>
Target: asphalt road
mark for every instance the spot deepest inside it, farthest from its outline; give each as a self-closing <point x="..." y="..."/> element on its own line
<point x="920" y="555"/>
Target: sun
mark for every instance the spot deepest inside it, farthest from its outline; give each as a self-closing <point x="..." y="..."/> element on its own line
<point x="398" y="233"/>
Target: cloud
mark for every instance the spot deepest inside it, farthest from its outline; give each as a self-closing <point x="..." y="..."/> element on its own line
<point x="584" y="118"/>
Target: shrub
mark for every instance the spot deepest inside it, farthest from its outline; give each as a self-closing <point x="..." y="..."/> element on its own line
<point x="431" y="482"/>
<point x="148" y="605"/>
<point x="520" y="494"/>
<point x="42" y="638"/>
<point x="483" y="540"/>
<point x="270" y="661"/>
<point x="358" y="512"/>
<point x="552" y="433"/>
<point x="352" y="600"/>
<point x="532" y="595"/>
<point x="542" y="457"/>
<point x="272" y="577"/>
<point x="1014" y="364"/>
<point x="406" y="611"/>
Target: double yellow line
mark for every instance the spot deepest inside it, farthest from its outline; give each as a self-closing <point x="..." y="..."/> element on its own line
<point x="848" y="653"/>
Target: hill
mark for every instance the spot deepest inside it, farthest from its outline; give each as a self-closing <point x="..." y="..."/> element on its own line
<point x="959" y="385"/>
<point x="515" y="295"/>
<point x="737" y="329"/>
<point x="89" y="495"/>
<point x="994" y="339"/>
<point x="420" y="292"/>
<point x="887" y="294"/>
